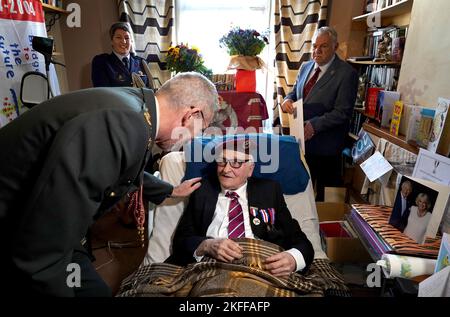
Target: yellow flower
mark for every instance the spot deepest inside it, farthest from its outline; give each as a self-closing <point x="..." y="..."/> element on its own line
<point x="195" y="48"/>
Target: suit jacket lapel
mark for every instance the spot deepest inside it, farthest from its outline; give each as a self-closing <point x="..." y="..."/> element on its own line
<point x="329" y="74"/>
<point x="252" y="192"/>
<point x="210" y="199"/>
<point x="119" y="63"/>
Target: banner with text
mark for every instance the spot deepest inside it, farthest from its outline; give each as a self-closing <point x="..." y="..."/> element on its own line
<point x="20" y="20"/>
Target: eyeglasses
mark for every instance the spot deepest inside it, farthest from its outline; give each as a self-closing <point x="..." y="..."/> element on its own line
<point x="233" y="164"/>
<point x="204" y="125"/>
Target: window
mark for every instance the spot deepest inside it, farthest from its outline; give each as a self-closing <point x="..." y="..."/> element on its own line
<point x="202" y="23"/>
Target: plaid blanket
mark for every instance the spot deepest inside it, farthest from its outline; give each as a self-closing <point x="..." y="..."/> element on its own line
<point x="244" y="278"/>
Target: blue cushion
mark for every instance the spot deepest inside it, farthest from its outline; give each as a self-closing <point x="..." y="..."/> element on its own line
<point x="278" y="159"/>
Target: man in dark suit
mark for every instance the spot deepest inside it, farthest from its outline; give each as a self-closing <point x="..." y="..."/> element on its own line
<point x="116" y="69"/>
<point x="234" y="205"/>
<point x="328" y="88"/>
<point x="402" y="205"/>
<point x="68" y="160"/>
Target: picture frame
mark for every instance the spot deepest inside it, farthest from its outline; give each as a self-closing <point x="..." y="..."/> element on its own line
<point x="419" y="208"/>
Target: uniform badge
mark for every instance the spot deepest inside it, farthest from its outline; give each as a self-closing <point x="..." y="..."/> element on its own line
<point x="256" y="221"/>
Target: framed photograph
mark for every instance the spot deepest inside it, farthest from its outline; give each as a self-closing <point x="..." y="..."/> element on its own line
<point x="419" y="208"/>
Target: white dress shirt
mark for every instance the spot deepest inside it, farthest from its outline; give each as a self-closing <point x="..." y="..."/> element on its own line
<point x="157" y="117"/>
<point x="120" y="57"/>
<point x="219" y="225"/>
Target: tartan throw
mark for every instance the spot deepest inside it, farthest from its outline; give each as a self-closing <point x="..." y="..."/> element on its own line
<point x="242" y="278"/>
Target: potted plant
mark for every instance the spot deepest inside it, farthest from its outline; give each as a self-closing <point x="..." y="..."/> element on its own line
<point x="243" y="46"/>
<point x="182" y="58"/>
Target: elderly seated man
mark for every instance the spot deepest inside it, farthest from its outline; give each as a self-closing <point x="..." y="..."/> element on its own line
<point x="232" y="205"/>
<point x="237" y="238"/>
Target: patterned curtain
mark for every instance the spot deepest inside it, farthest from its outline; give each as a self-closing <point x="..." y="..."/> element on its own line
<point x="295" y="24"/>
<point x="152" y="22"/>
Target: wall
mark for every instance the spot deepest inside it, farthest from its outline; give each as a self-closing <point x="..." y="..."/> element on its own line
<point x="350" y="34"/>
<point x="92" y="38"/>
<point x="426" y="63"/>
<point x="58" y="56"/>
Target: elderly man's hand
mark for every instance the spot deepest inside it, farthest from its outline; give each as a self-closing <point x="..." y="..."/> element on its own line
<point x="309" y="131"/>
<point x="288" y="106"/>
<point x="281" y="264"/>
<point x="224" y="250"/>
<point x="186" y="188"/>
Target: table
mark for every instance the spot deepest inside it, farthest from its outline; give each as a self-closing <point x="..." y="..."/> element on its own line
<point x="248" y="109"/>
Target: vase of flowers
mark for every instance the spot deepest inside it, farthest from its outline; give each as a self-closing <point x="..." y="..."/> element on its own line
<point x="182" y="58"/>
<point x="244" y="45"/>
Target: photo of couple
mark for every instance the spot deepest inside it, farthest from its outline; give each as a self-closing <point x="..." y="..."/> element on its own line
<point x="413" y="208"/>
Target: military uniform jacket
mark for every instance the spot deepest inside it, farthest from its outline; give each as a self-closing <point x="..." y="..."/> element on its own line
<point x="62" y="164"/>
<point x="110" y="71"/>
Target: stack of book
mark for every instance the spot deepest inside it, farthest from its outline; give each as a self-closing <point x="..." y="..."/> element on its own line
<point x="426" y="125"/>
<point x="377" y="5"/>
<point x="385" y="77"/>
<point x="357" y="121"/>
<point x="55" y="3"/>
<point x="398" y="38"/>
<point x="371" y="223"/>
<point x="224" y="82"/>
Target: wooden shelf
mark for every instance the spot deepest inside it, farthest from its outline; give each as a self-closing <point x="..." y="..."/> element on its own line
<point x="50" y="8"/>
<point x="384" y="133"/>
<point x="372" y="63"/>
<point x="399" y="8"/>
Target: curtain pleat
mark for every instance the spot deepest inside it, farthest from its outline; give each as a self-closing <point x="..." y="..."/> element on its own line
<point x="152" y="22"/>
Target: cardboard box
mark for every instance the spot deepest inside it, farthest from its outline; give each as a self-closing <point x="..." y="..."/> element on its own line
<point x="335" y="194"/>
<point x="341" y="250"/>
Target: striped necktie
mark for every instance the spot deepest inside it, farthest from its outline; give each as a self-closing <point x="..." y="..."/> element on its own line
<point x="236" y="227"/>
<point x="310" y="84"/>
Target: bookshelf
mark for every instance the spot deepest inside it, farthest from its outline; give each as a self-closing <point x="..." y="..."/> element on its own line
<point x="384" y="134"/>
<point x="351" y="61"/>
<point x="397" y="9"/>
<point x="375" y="73"/>
<point x="50" y="8"/>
